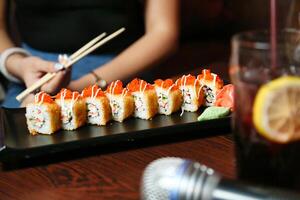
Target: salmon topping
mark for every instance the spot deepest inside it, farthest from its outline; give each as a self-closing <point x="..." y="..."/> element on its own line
<point x="187" y="80"/>
<point x="67" y="94"/>
<point x="116" y="87"/>
<point x="208" y="76"/>
<point x="139" y="85"/>
<point x="43" y="97"/>
<point x="166" y="84"/>
<point x="92" y="91"/>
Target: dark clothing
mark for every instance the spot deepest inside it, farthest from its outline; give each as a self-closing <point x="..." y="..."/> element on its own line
<point x="65" y="25"/>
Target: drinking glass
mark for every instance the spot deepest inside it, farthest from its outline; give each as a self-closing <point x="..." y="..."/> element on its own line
<point x="259" y="158"/>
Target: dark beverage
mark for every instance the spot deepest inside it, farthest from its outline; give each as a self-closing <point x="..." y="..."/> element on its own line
<point x="259" y="159"/>
<point x="266" y="119"/>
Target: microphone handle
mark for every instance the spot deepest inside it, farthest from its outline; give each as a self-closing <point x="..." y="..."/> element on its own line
<point x="232" y="190"/>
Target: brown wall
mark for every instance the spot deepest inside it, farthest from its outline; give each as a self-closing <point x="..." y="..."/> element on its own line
<point x="207" y="26"/>
<point x="220" y="17"/>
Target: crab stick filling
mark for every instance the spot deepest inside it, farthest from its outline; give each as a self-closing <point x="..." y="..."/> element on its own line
<point x="188" y="80"/>
<point x="214" y="81"/>
<point x="116" y="88"/>
<point x="67" y="108"/>
<point x="92" y="92"/>
<point x="138" y="87"/>
<point x="164" y="87"/>
<point x="37" y="116"/>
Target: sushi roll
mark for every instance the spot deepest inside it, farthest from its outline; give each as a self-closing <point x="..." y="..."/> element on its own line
<point x="97" y="105"/>
<point x="211" y="84"/>
<point x="43" y="116"/>
<point x="120" y="100"/>
<point x="191" y="91"/>
<point x="169" y="96"/>
<point x="145" y="99"/>
<point x="73" y="109"/>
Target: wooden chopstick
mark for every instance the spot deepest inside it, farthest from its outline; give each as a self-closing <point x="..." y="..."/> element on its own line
<point x="100" y="43"/>
<point x="82" y="52"/>
<point x="88" y="45"/>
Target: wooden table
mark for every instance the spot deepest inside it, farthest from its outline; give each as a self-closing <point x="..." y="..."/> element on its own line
<point x="110" y="175"/>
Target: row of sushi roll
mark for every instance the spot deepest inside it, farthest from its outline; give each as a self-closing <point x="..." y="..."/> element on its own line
<point x="69" y="110"/>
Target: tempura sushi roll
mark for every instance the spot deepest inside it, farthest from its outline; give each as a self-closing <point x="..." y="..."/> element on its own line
<point x="43" y="116"/>
<point x="97" y="104"/>
<point x="73" y="109"/>
<point x="120" y="100"/>
<point x="211" y="84"/>
<point x="191" y="91"/>
<point x="169" y="96"/>
<point x="145" y="98"/>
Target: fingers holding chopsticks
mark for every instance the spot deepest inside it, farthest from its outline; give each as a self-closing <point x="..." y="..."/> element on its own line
<point x="33" y="68"/>
<point x="61" y="79"/>
<point x="83" y="51"/>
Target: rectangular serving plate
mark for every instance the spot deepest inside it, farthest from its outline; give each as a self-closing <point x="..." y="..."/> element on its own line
<point x="15" y="140"/>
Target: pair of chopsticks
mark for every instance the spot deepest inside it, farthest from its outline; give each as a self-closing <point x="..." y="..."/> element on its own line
<point x="83" y="51"/>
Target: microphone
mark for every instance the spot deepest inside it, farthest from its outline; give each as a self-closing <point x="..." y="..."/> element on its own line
<point x="179" y="179"/>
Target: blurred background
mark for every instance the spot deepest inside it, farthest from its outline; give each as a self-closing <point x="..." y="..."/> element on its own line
<point x="206" y="29"/>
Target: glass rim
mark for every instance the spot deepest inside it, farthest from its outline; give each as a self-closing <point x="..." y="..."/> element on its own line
<point x="247" y="38"/>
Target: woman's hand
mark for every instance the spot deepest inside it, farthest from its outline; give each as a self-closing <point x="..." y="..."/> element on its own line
<point x="61" y="80"/>
<point x="28" y="99"/>
<point x="81" y="83"/>
<point x="31" y="69"/>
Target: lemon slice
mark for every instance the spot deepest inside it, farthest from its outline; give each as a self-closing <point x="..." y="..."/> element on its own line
<point x="276" y="110"/>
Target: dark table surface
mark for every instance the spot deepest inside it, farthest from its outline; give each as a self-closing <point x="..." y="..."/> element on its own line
<point x="112" y="172"/>
<point x="107" y="175"/>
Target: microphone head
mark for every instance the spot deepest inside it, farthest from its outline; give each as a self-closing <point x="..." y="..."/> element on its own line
<point x="176" y="178"/>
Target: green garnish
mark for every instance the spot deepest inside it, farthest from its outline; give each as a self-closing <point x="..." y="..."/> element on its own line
<point x="214" y="113"/>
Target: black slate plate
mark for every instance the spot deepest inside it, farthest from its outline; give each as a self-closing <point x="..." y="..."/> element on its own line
<point x="15" y="140"/>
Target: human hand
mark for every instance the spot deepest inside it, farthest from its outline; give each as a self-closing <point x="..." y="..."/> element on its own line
<point x="61" y="80"/>
<point x="28" y="99"/>
<point x="82" y="82"/>
<point x="33" y="68"/>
